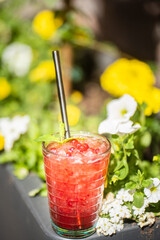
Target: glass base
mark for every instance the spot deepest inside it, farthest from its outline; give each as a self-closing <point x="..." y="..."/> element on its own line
<point x="73" y="233"/>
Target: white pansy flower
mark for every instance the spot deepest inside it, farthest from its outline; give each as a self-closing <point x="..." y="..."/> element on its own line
<point x="124" y="195"/>
<point x="17" y="57"/>
<point x="115" y="126"/>
<point x="153" y="191"/>
<point x="119" y="113"/>
<point x="122" y="108"/>
<point x="11" y="129"/>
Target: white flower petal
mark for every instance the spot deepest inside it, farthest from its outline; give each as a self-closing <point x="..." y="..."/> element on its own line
<point x="147" y="192"/>
<point x="108" y="126"/>
<point x="127" y="127"/>
<point x="122" y="108"/>
<point x="156" y="181"/>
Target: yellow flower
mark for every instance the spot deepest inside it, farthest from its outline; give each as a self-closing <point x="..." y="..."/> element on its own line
<point x="152" y="99"/>
<point x="45" y="24"/>
<point x="76" y="97"/>
<point x="45" y="71"/>
<point x="73" y="113"/>
<point x="134" y="78"/>
<point x="2" y="141"/>
<point x="5" y="88"/>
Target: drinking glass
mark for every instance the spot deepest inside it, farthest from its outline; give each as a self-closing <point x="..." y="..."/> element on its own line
<point x="75" y="184"/>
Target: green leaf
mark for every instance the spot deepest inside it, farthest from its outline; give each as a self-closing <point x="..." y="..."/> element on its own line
<point x="115" y="136"/>
<point x="135" y="152"/>
<point x="138" y="199"/>
<point x="146" y="139"/>
<point x="8" y="157"/>
<point x="147" y="182"/>
<point x="140" y="175"/>
<point x="119" y="165"/>
<point x="130" y="143"/>
<point x="34" y="192"/>
<point x="20" y="172"/>
<point x="43" y="193"/>
<point x="130" y="185"/>
<point x="47" y="138"/>
<point x="123" y="172"/>
<point x="128" y="154"/>
<point x="40" y="169"/>
<point x="156" y="158"/>
<point x="31" y="159"/>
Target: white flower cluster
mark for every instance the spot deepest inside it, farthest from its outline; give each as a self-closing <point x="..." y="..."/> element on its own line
<point x="17" y="57"/>
<point x="114" y="211"/>
<point x="11" y="129"/>
<point x="119" y="112"/>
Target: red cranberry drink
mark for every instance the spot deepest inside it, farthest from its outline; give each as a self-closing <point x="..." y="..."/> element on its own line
<point x="75" y="174"/>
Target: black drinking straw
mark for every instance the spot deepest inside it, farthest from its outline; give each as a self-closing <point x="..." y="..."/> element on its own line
<point x="61" y="93"/>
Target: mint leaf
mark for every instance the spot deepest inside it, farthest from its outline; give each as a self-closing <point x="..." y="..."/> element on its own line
<point x="47" y="138"/>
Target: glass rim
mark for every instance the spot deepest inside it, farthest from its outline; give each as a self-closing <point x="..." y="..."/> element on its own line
<point x="81" y="133"/>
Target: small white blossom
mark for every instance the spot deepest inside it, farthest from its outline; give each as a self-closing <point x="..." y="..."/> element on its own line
<point x="11" y="129"/>
<point x="117" y="203"/>
<point x="17" y="57"/>
<point x="138" y="211"/>
<point x="115" y="218"/>
<point x="120" y="226"/>
<point x="124" y="195"/>
<point x="124" y="212"/>
<point x="116" y="212"/>
<point x="153" y="191"/>
<point x="105" y="208"/>
<point x="105" y="226"/>
<point x="122" y="108"/>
